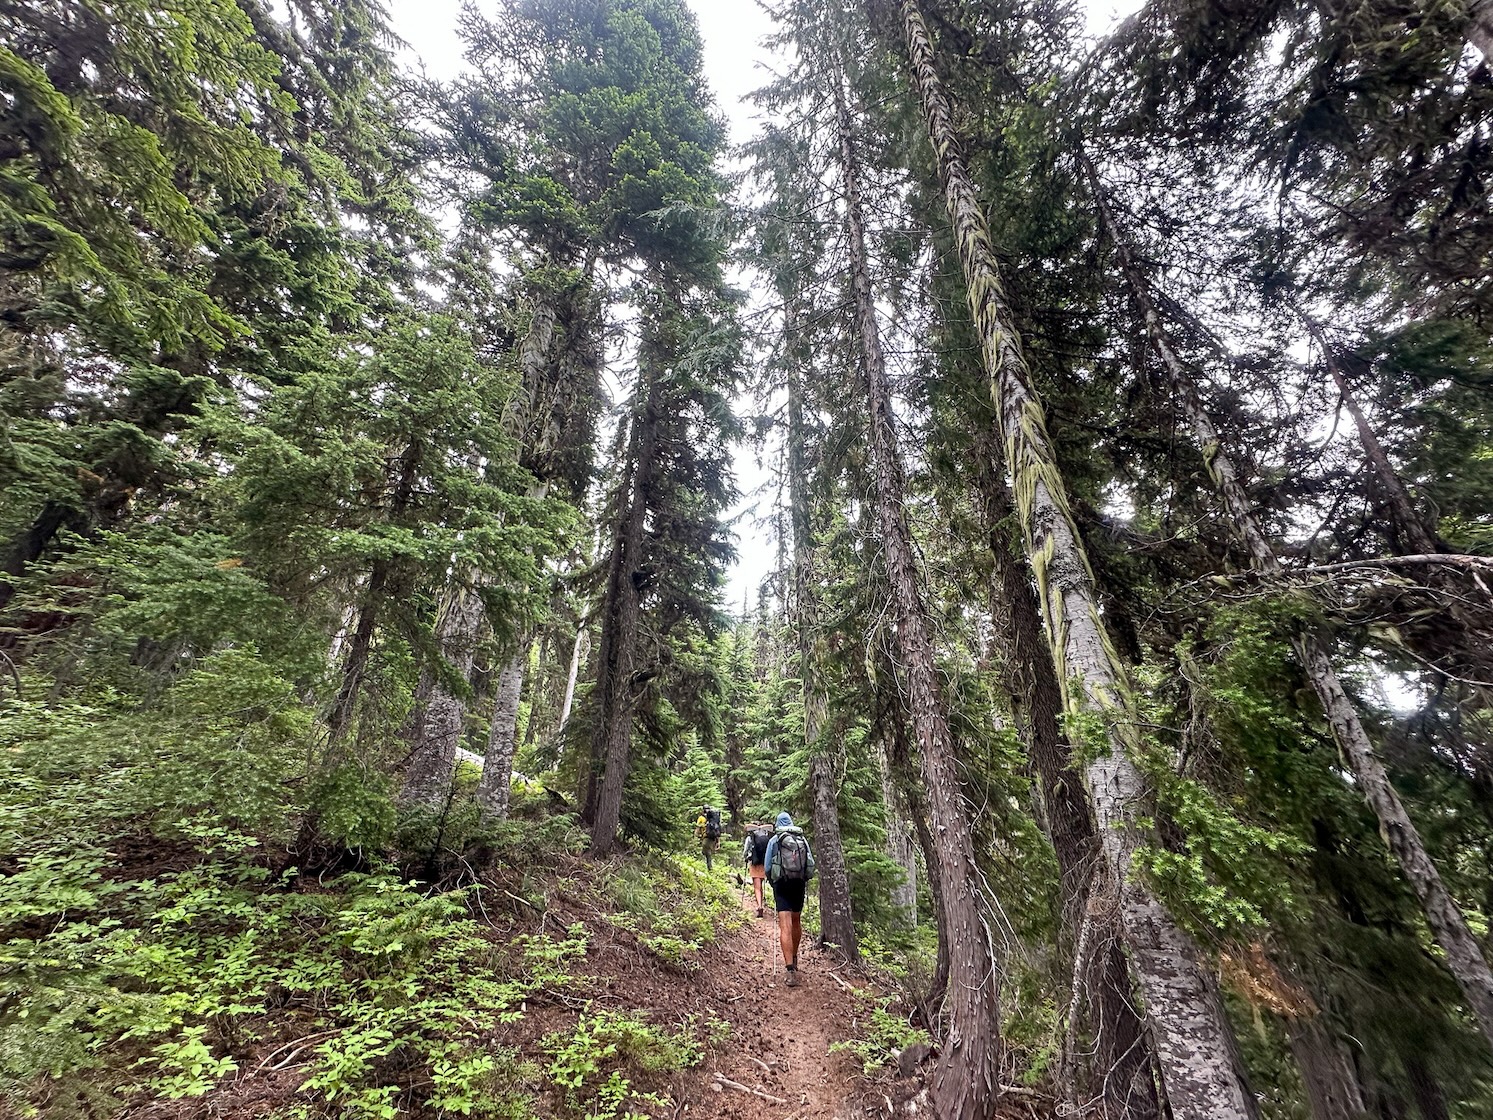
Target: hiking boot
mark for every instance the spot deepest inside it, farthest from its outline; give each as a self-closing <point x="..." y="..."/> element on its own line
<point x="759" y="911"/>
<point x="792" y="980"/>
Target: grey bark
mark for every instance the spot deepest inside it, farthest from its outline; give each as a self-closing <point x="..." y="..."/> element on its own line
<point x="1194" y="1042"/>
<point x="502" y="739"/>
<point x="577" y="652"/>
<point x="440" y="713"/>
<point x="1480" y="27"/>
<point x="837" y="924"/>
<point x="965" y="1080"/>
<point x="1108" y="1054"/>
<point x="1447" y="923"/>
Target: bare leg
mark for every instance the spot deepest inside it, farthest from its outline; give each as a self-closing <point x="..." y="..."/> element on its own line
<point x="785" y="936"/>
<point x="796" y="921"/>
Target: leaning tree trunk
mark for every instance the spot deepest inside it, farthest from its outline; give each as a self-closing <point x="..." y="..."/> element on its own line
<point x="837" y="925"/>
<point x="1463" y="623"/>
<point x="899" y="760"/>
<point x="577" y="651"/>
<point x="1447" y="923"/>
<point x="1108" y="1054"/>
<point x="620" y="616"/>
<point x="1194" y="1043"/>
<point x="965" y="1082"/>
<point x="1413" y="536"/>
<point x="359" y="647"/>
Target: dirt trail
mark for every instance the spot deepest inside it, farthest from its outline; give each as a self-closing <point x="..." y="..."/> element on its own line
<point x="788" y="1029"/>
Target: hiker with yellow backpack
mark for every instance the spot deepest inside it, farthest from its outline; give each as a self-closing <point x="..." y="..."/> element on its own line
<point x="708" y="833"/>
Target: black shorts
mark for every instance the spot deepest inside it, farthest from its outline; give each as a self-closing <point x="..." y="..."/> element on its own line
<point x="788" y="896"/>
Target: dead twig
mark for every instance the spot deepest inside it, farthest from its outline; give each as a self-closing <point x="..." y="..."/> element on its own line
<point x="726" y="1083"/>
<point x="848" y="987"/>
<point x="299" y="1044"/>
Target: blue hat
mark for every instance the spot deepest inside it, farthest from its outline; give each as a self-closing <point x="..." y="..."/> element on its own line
<point x="785" y="821"/>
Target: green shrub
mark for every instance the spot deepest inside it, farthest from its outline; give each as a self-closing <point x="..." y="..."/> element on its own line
<point x="882" y="1036"/>
<point x="594" y="1064"/>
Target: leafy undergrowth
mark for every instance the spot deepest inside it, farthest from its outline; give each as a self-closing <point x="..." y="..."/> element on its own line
<point x="200" y="980"/>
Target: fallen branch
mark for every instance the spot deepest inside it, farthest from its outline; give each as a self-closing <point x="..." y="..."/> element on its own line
<point x="848" y="987"/>
<point x="726" y="1083"/>
<point x="1457" y="559"/>
<point x="758" y="1062"/>
<point x="299" y="1044"/>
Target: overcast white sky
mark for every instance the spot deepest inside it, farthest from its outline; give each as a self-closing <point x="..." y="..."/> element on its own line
<point x="735" y="64"/>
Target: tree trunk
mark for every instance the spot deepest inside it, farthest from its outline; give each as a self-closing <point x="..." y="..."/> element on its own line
<point x="1413" y="536"/>
<point x="440" y="713"/>
<point x="1447" y="923"/>
<point x="939" y="985"/>
<point x="965" y="1081"/>
<point x="355" y="667"/>
<point x="899" y="844"/>
<point x="577" y="651"/>
<point x="837" y="924"/>
<point x="735" y="789"/>
<point x="502" y="738"/>
<point x="1119" y="1067"/>
<point x="32" y="543"/>
<point x="900" y="764"/>
<point x="1327" y="1071"/>
<point x="621" y="610"/>
<point x="1193" y="1040"/>
<point x="1429" y="1099"/>
<point x="1480" y="28"/>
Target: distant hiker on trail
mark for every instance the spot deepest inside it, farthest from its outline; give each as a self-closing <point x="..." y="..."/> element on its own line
<point x="708" y="833"/>
<point x="790" y="866"/>
<point x="754" y="855"/>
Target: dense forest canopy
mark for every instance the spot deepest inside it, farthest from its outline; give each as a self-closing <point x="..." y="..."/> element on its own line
<point x="368" y="459"/>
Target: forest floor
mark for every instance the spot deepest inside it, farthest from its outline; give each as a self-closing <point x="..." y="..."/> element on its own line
<point x="787" y="1030"/>
<point x="791" y="1031"/>
<point x="556" y="987"/>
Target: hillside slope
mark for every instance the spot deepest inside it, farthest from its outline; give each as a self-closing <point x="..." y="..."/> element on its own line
<point x="181" y="982"/>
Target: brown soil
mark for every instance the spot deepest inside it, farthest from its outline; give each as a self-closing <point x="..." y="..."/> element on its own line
<point x="790" y="1030"/>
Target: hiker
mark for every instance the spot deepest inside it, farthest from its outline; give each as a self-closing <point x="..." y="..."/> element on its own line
<point x="790" y="866"/>
<point x="708" y="833"/>
<point x="754" y="855"/>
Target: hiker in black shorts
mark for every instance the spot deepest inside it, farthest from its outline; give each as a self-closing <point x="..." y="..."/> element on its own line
<point x="790" y="866"/>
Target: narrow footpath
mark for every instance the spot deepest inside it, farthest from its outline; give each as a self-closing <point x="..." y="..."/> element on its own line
<point x="780" y="1036"/>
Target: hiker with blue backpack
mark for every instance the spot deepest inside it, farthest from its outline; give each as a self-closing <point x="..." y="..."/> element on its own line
<point x="790" y="866"/>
